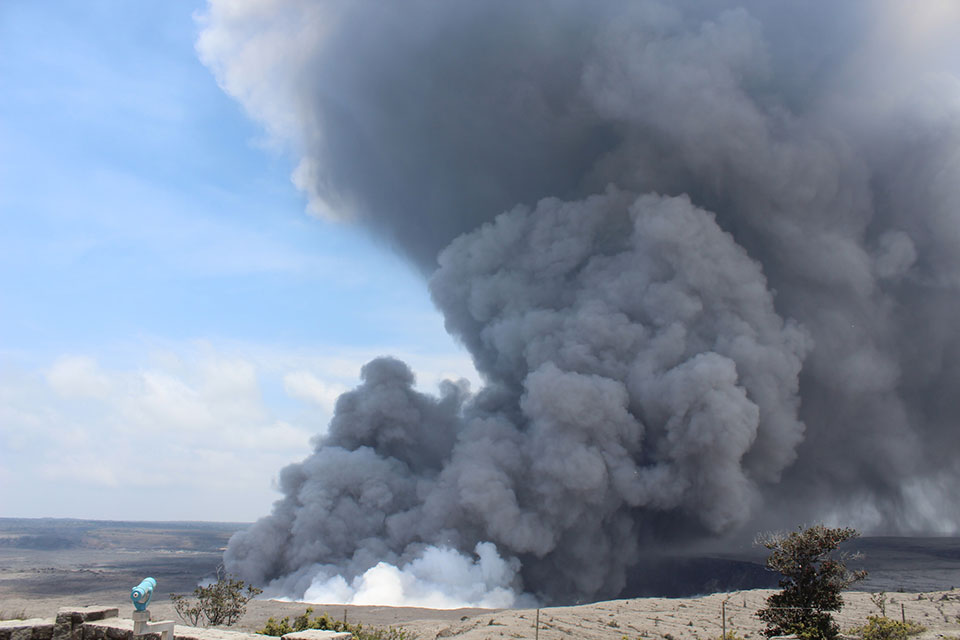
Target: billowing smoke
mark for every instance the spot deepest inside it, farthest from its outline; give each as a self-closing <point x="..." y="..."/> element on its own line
<point x="705" y="255"/>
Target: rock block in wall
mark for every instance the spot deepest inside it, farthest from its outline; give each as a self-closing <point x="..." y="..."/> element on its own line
<point x="88" y="614"/>
<point x="113" y="633"/>
<point x="111" y="629"/>
<point x="7" y="627"/>
<point x="99" y="613"/>
<point x="63" y="627"/>
<point x="70" y="620"/>
<point x="31" y="629"/>
<point x="43" y="631"/>
<point x="181" y="632"/>
<point x="62" y="630"/>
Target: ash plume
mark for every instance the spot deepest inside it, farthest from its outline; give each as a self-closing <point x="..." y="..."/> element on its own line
<point x="705" y="256"/>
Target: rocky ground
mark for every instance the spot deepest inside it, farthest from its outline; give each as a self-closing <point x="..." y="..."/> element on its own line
<point x="648" y="618"/>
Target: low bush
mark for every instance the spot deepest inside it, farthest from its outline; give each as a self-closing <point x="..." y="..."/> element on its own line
<point x="882" y="628"/>
<point x="324" y="622"/>
<point x="221" y="603"/>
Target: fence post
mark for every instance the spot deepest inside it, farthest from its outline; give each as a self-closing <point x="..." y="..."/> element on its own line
<point x="723" y="620"/>
<point x="903" y="619"/>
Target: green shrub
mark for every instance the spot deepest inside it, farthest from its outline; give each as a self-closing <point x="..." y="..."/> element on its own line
<point x="882" y="628"/>
<point x="326" y="623"/>
<point x="276" y="627"/>
<point x="811" y="582"/>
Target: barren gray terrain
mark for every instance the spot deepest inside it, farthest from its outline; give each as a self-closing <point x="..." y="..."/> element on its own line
<point x="46" y="564"/>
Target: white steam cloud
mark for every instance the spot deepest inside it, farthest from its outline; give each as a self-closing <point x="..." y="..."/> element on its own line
<point x="705" y="256"/>
<point x="440" y="578"/>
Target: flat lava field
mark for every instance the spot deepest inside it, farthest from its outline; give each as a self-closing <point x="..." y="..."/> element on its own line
<point x="48" y="563"/>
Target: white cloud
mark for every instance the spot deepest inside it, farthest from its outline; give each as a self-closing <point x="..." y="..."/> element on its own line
<point x="306" y="386"/>
<point x="76" y="468"/>
<point x="78" y="376"/>
<point x="203" y="428"/>
<point x="278" y="436"/>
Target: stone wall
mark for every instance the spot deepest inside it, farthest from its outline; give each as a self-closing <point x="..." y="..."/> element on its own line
<point x="67" y="625"/>
<point x="33" y="629"/>
<point x="100" y="623"/>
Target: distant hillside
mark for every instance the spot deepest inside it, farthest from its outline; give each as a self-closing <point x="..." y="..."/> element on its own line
<point x="57" y="534"/>
<point x="185" y="552"/>
<point x="894" y="563"/>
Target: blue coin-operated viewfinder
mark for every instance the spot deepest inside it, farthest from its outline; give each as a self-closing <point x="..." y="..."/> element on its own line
<point x="140" y="594"/>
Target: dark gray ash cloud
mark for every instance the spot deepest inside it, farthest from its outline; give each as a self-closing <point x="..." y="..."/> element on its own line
<point x="704" y="254"/>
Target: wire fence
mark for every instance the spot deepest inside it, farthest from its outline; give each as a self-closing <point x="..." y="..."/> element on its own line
<point x="725" y="616"/>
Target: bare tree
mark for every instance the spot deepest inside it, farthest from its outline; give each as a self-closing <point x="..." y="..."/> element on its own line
<point x="220" y="603"/>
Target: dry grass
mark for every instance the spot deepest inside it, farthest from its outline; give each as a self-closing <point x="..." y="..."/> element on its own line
<point x="13" y="615"/>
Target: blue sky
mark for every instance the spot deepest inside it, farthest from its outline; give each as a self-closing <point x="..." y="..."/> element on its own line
<point x="164" y="296"/>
